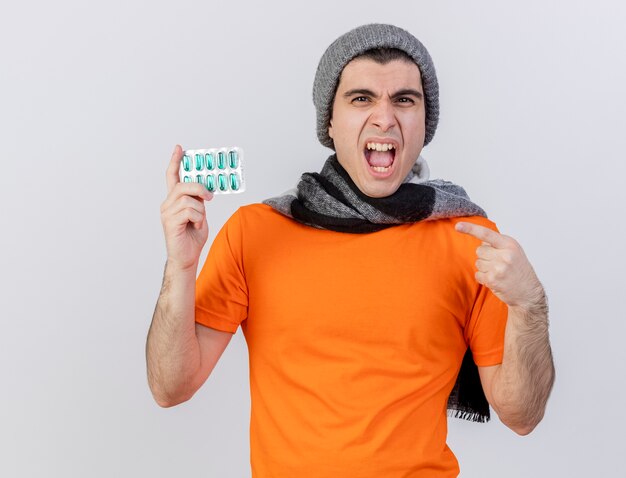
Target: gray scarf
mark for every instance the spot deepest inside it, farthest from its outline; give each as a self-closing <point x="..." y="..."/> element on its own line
<point x="331" y="200"/>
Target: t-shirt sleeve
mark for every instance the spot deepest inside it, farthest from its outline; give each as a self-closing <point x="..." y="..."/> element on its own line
<point x="221" y="289"/>
<point x="484" y="331"/>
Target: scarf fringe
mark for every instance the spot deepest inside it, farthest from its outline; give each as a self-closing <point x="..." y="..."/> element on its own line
<point x="468" y="415"/>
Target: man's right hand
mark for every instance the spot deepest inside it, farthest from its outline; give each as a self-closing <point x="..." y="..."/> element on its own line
<point x="180" y="353"/>
<point x="184" y="217"/>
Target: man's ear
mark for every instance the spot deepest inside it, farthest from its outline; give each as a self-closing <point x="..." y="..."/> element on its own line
<point x="330" y="128"/>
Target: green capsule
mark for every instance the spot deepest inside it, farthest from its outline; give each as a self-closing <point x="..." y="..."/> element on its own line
<point x="199" y="162"/>
<point x="186" y="179"/>
<point x="221" y="178"/>
<point x="200" y="179"/>
<point x="186" y="163"/>
<point x="233" y="159"/>
<point x="210" y="182"/>
<point x="210" y="161"/>
<point x="234" y="182"/>
<point x="221" y="160"/>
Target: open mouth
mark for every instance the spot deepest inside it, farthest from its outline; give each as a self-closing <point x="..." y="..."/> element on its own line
<point x="380" y="156"/>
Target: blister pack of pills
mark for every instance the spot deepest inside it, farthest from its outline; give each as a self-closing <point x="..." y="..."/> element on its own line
<point x="219" y="169"/>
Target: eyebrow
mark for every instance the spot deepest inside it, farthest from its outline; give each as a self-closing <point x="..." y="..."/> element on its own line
<point x="366" y="92"/>
<point x="358" y="91"/>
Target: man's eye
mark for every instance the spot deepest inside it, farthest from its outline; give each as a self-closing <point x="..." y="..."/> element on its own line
<point x="360" y="99"/>
<point x="405" y="100"/>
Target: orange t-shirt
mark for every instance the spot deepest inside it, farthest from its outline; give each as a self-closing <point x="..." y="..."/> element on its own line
<point x="355" y="340"/>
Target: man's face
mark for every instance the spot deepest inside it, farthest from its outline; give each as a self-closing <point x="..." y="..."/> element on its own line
<point x="378" y="123"/>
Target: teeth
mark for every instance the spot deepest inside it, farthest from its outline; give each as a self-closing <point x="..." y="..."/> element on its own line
<point x="380" y="146"/>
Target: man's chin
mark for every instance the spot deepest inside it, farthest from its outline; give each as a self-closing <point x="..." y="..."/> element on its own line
<point x="377" y="191"/>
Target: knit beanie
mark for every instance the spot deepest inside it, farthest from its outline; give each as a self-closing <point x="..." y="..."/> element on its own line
<point x="353" y="44"/>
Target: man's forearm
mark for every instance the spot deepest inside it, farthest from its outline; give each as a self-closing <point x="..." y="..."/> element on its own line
<point x="525" y="378"/>
<point x="172" y="349"/>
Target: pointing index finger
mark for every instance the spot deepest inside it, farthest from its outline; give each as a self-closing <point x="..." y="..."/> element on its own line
<point x="483" y="233"/>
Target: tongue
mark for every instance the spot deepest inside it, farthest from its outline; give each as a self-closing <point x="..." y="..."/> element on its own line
<point x="380" y="158"/>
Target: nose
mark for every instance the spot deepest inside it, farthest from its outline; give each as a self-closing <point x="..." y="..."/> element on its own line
<point x="383" y="116"/>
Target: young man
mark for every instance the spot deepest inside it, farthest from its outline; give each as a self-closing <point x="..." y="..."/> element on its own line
<point x="357" y="293"/>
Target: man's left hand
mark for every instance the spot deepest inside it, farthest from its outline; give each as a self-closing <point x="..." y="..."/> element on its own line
<point x="503" y="267"/>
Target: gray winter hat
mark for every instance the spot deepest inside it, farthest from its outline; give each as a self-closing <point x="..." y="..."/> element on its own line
<point x="353" y="44"/>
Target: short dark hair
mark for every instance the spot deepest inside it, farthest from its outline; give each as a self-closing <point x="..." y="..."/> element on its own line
<point x="385" y="55"/>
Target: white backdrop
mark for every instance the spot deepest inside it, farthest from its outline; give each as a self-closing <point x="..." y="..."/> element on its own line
<point x="93" y="97"/>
